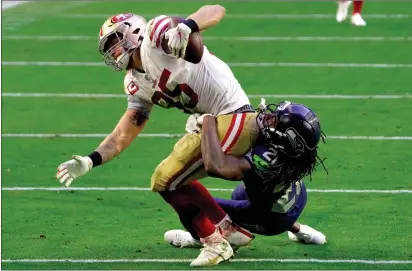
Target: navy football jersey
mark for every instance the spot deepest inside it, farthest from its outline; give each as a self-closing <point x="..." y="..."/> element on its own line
<point x="278" y="197"/>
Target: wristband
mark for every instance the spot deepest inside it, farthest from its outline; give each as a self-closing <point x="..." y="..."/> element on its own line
<point x="96" y="158"/>
<point x="192" y="25"/>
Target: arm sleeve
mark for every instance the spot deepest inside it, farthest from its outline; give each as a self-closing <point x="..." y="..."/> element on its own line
<point x="137" y="103"/>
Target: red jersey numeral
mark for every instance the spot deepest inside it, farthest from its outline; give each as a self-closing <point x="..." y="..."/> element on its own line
<point x="165" y="97"/>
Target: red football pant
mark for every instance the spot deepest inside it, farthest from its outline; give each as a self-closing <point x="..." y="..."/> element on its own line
<point x="195" y="199"/>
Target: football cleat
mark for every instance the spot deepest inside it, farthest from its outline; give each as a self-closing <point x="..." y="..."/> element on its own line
<point x="308" y="235"/>
<point x="342" y="12"/>
<point x="181" y="239"/>
<point x="357" y="20"/>
<point x="213" y="253"/>
<point x="235" y="235"/>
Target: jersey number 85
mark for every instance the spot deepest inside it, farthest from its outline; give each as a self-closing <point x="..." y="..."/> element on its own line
<point x="168" y="98"/>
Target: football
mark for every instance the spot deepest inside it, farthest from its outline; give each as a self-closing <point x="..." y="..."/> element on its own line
<point x="194" y="49"/>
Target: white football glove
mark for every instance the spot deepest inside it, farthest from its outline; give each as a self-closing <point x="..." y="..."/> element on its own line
<point x="194" y="123"/>
<point x="70" y="170"/>
<point x="191" y="124"/>
<point x="200" y="119"/>
<point x="178" y="38"/>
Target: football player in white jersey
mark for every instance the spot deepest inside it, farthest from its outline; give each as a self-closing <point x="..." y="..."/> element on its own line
<point x="165" y="66"/>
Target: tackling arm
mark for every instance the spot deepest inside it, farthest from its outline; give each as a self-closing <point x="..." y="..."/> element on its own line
<point x="216" y="163"/>
<point x="208" y="16"/>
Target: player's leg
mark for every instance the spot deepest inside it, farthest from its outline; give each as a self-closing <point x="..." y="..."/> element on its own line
<point x="185" y="200"/>
<point x="204" y="213"/>
<point x="197" y="197"/>
<point x="250" y="217"/>
<point x="305" y="234"/>
<point x="299" y="232"/>
<point x="357" y="6"/>
<point x="237" y="132"/>
<point x="242" y="212"/>
<point x="236" y="235"/>
<point x="184" y="161"/>
<point x="342" y="11"/>
<point x="239" y="193"/>
<point x="356" y="18"/>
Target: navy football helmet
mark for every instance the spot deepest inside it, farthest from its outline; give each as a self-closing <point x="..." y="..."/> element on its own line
<point x="291" y="128"/>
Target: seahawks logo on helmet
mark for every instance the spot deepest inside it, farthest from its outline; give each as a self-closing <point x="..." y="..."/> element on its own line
<point x="296" y="141"/>
<point x="297" y="128"/>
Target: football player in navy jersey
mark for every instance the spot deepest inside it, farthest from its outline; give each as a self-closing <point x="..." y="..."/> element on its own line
<point x="273" y="194"/>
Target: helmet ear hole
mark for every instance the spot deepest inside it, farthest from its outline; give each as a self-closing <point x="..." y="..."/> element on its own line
<point x="136" y="31"/>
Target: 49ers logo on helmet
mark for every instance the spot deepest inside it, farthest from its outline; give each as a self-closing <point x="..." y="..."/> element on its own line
<point x="121" y="17"/>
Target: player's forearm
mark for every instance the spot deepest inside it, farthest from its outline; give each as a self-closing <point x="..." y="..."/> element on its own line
<point x="129" y="126"/>
<point x="113" y="145"/>
<point x="216" y="163"/>
<point x="212" y="153"/>
<point x="208" y="16"/>
<point x="229" y="170"/>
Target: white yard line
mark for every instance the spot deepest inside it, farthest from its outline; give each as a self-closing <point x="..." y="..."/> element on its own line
<point x="318" y="65"/>
<point x="17" y="21"/>
<point x="235" y="64"/>
<point x="65" y="38"/>
<point x="252" y="16"/>
<point x="306" y="38"/>
<point x="371" y="137"/>
<point x="224" y="38"/>
<point x="287" y="96"/>
<point x="361" y="261"/>
<point x="83" y="135"/>
<point x="356" y="191"/>
<point x="50" y="63"/>
<point x="11" y="4"/>
<point x="24" y="135"/>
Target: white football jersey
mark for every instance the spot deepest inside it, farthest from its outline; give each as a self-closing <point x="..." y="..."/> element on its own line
<point x="206" y="87"/>
<point x="139" y="89"/>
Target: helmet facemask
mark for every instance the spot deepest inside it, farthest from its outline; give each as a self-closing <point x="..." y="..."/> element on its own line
<point x="124" y="42"/>
<point x="287" y="131"/>
<point x="120" y="62"/>
<point x="294" y="132"/>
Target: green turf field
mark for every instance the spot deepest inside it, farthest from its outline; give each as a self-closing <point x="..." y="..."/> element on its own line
<point x="123" y="229"/>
